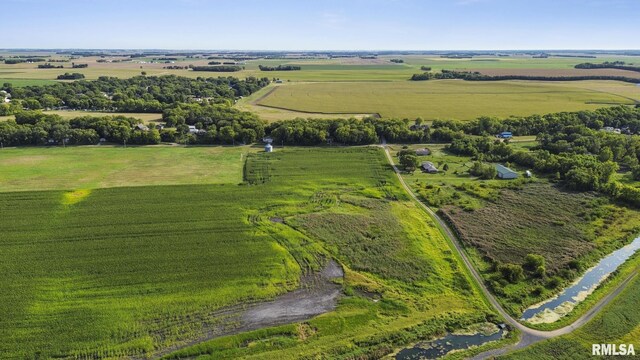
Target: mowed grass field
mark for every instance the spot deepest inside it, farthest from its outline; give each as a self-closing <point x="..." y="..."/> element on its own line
<point x="446" y="99"/>
<point x="89" y="167"/>
<point x="94" y="271"/>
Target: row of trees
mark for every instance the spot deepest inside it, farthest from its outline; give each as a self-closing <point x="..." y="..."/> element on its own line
<point x="279" y="68"/>
<point x="138" y="94"/>
<point x="316" y="131"/>
<point x="20" y="60"/>
<point x="218" y="124"/>
<point x="217" y="68"/>
<point x="49" y="66"/>
<point x="622" y="117"/>
<point x="36" y="128"/>
<point x="608" y="65"/>
<point x="71" y="76"/>
<point x="477" y="76"/>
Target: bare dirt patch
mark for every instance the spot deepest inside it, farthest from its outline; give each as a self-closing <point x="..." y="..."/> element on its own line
<point x="318" y="293"/>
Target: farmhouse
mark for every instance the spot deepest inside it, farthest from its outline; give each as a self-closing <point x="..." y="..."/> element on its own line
<point x="423" y="152"/>
<point x="192" y="129"/>
<point x="427" y="166"/>
<point x="505" y="135"/>
<point x="505" y="173"/>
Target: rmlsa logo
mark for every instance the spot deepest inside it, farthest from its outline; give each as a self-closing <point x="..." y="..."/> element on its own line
<point x="612" y="349"/>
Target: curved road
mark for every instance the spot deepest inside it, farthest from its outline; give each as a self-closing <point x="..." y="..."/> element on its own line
<point x="529" y="336"/>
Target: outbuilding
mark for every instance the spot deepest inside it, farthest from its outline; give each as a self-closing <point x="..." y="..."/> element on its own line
<point x="268" y="148"/>
<point x="505" y="173"/>
<point x="505" y="135"/>
<point x="423" y="152"/>
<point x="427" y="166"/>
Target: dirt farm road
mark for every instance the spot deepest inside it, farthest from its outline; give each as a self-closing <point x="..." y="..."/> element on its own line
<point x="529" y="336"/>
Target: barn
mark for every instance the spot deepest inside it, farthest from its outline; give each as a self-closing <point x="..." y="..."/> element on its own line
<point x="505" y="173"/>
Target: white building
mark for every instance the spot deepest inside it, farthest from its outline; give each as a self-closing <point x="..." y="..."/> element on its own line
<point x="268" y="148"/>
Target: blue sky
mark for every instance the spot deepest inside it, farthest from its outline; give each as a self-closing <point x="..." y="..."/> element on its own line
<point x="321" y="24"/>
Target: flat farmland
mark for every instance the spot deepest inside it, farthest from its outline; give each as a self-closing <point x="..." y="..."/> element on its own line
<point x="87" y="167"/>
<point x="317" y="70"/>
<point x="94" y="271"/>
<point x="444" y="99"/>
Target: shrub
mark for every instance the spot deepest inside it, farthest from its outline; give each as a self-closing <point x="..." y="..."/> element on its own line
<point x="511" y="272"/>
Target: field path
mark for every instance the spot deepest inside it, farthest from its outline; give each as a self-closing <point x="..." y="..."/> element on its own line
<point x="529" y="336"/>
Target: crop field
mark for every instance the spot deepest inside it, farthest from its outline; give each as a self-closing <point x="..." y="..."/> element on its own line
<point x="269" y="114"/>
<point x="443" y="99"/>
<point x="504" y="221"/>
<point x="316" y="70"/>
<point x="617" y="324"/>
<point x="91" y="270"/>
<point x="345" y="87"/>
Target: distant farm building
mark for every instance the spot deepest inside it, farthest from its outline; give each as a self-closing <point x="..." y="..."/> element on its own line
<point x="611" y="130"/>
<point x="268" y="148"/>
<point x="267" y="140"/>
<point x="505" y="135"/>
<point x="427" y="166"/>
<point x="142" y="127"/>
<point x="506" y="173"/>
<point x="192" y="129"/>
<point x="423" y="152"/>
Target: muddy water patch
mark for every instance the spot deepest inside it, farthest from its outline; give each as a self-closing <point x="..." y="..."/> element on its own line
<point x="559" y="306"/>
<point x="453" y="341"/>
<point x="318" y="293"/>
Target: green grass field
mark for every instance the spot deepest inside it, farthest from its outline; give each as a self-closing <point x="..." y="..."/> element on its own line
<point x="89" y="167"/>
<point x="91" y="270"/>
<point x="444" y="99"/>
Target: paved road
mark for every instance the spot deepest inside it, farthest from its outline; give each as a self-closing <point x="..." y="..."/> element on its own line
<point x="529" y="336"/>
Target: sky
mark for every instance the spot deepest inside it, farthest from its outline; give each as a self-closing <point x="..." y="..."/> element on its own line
<point x="321" y="24"/>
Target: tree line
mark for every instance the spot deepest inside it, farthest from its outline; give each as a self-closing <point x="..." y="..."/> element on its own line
<point x="49" y="66"/>
<point x="36" y="128"/>
<point x="137" y="94"/>
<point x="477" y="76"/>
<point x="279" y="68"/>
<point x="217" y="68"/>
<point x="70" y="76"/>
<point x="14" y="61"/>
<point x="621" y="65"/>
